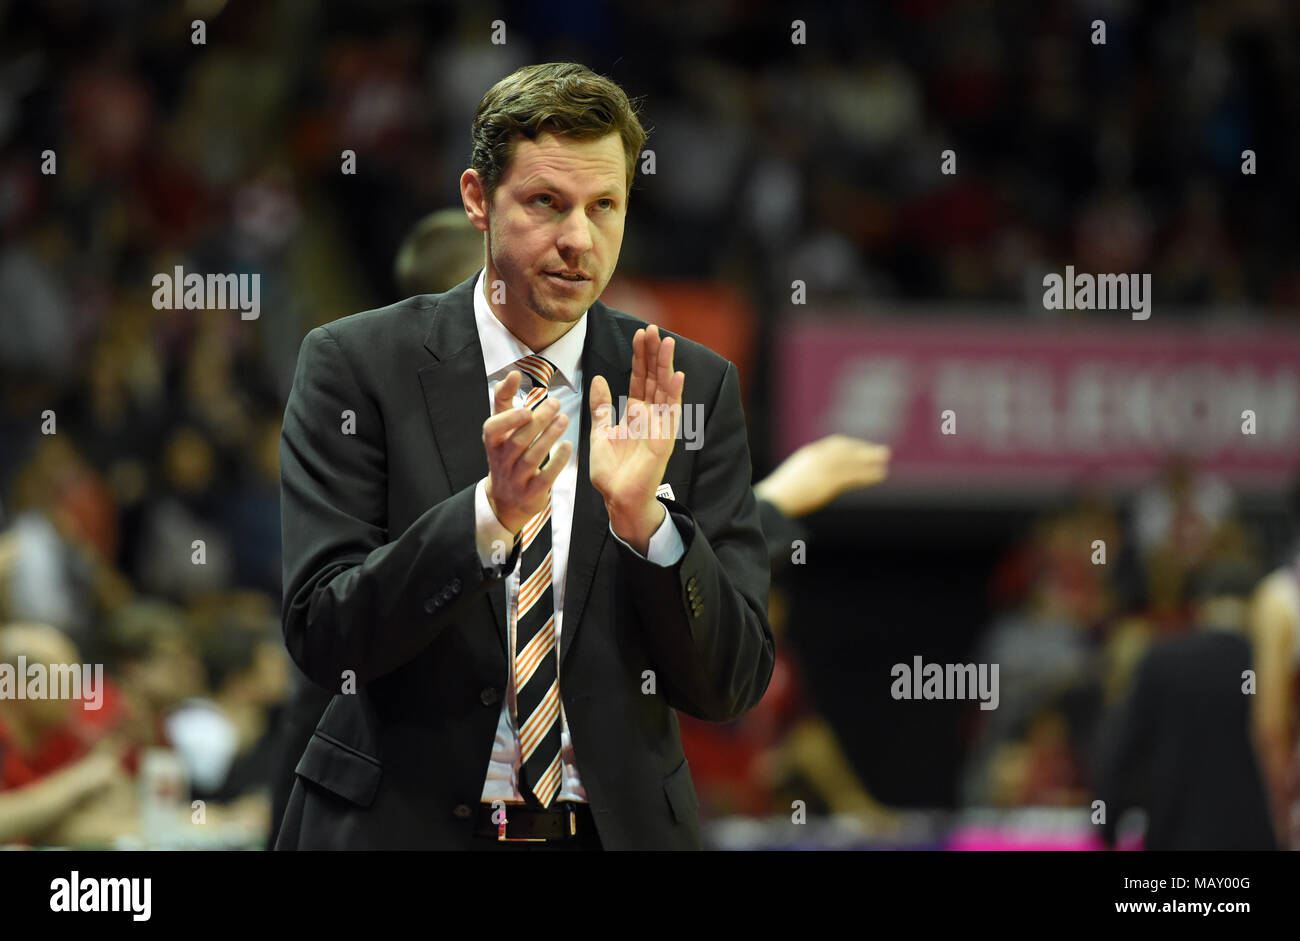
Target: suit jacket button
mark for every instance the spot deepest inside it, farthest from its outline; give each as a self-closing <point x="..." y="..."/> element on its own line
<point x="455" y="585"/>
<point x="488" y="696"/>
<point x="462" y="811"/>
<point x="431" y="605"/>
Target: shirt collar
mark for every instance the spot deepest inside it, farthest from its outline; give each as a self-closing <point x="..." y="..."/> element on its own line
<point x="502" y="349"/>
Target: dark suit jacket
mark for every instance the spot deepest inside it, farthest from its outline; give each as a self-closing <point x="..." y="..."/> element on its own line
<point x="382" y="578"/>
<point x="1180" y="748"/>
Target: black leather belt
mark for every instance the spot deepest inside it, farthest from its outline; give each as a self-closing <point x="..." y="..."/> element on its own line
<point x="566" y="820"/>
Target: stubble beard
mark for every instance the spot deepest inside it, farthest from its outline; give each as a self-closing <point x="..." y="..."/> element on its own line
<point x="557" y="310"/>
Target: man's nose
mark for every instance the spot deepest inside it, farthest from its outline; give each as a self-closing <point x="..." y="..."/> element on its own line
<point x="575" y="235"/>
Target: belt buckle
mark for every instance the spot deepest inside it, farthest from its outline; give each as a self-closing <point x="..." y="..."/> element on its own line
<point x="502" y="838"/>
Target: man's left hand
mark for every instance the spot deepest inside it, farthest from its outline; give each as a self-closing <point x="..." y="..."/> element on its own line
<point x="628" y="459"/>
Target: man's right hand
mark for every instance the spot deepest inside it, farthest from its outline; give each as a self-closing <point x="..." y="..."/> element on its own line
<point x="517" y="440"/>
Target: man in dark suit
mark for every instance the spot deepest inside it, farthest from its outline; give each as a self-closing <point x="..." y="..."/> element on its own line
<point x="1180" y="747"/>
<point x="511" y="630"/>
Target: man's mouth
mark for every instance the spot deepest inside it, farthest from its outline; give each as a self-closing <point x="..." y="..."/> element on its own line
<point x="572" y="277"/>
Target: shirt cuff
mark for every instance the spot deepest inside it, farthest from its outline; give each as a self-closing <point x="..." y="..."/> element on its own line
<point x="666" y="547"/>
<point x="490" y="537"/>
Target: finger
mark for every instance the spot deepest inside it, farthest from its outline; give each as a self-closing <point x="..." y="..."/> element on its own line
<point x="525" y="436"/>
<point x="868" y="449"/>
<point x="538" y="450"/>
<point x="676" y="384"/>
<point x="665" y="415"/>
<point x="636" y="388"/>
<point x="664" y="420"/>
<point x="868" y="480"/>
<point x="868" y="474"/>
<point x="651" y="363"/>
<point x="545" y="478"/>
<point x="870" y="457"/>
<point x="602" y="408"/>
<point x="505" y="391"/>
<point x="673" y="397"/>
<point x="498" y="429"/>
<point x="664" y="378"/>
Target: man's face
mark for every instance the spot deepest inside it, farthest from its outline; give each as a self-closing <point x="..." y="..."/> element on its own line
<point x="560" y="207"/>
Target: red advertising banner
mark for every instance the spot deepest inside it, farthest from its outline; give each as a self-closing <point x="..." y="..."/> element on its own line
<point x="716" y="315"/>
<point x="1012" y="406"/>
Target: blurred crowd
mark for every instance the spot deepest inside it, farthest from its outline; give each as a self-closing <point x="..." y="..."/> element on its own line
<point x="1149" y="681"/>
<point x="173" y="723"/>
<point x="823" y="158"/>
<point x="1137" y="669"/>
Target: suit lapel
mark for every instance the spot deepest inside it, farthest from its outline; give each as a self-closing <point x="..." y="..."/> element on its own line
<point x="606" y="352"/>
<point x="455" y="394"/>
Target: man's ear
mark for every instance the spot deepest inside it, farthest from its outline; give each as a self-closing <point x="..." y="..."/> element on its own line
<point x="474" y="197"/>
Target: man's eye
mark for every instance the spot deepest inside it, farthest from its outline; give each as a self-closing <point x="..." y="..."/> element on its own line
<point x="541" y="196"/>
<point x="607" y="204"/>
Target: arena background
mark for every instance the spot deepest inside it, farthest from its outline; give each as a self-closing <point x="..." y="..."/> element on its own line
<point x="776" y="161"/>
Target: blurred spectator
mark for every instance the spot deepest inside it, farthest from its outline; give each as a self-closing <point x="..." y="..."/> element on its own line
<point x="782" y="750"/>
<point x="62" y="779"/>
<point x="1275" y="639"/>
<point x="439" y="253"/>
<point x="1027" y="751"/>
<point x="225" y="739"/>
<point x="254" y="514"/>
<point x="187" y="507"/>
<point x="1180" y="747"/>
<point x="147" y="647"/>
<point x="1175" y="522"/>
<point x="65" y="528"/>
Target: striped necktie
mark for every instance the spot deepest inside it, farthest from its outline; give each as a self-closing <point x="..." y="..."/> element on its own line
<point x="537" y="690"/>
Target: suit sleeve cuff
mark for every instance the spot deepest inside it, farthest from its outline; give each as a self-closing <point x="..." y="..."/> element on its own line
<point x="665" y="548"/>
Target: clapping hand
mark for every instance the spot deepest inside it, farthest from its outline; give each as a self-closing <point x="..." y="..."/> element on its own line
<point x="628" y="459"/>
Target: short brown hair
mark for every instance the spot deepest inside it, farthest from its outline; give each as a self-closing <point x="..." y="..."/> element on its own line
<point x="564" y="98"/>
<point x="441" y="251"/>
